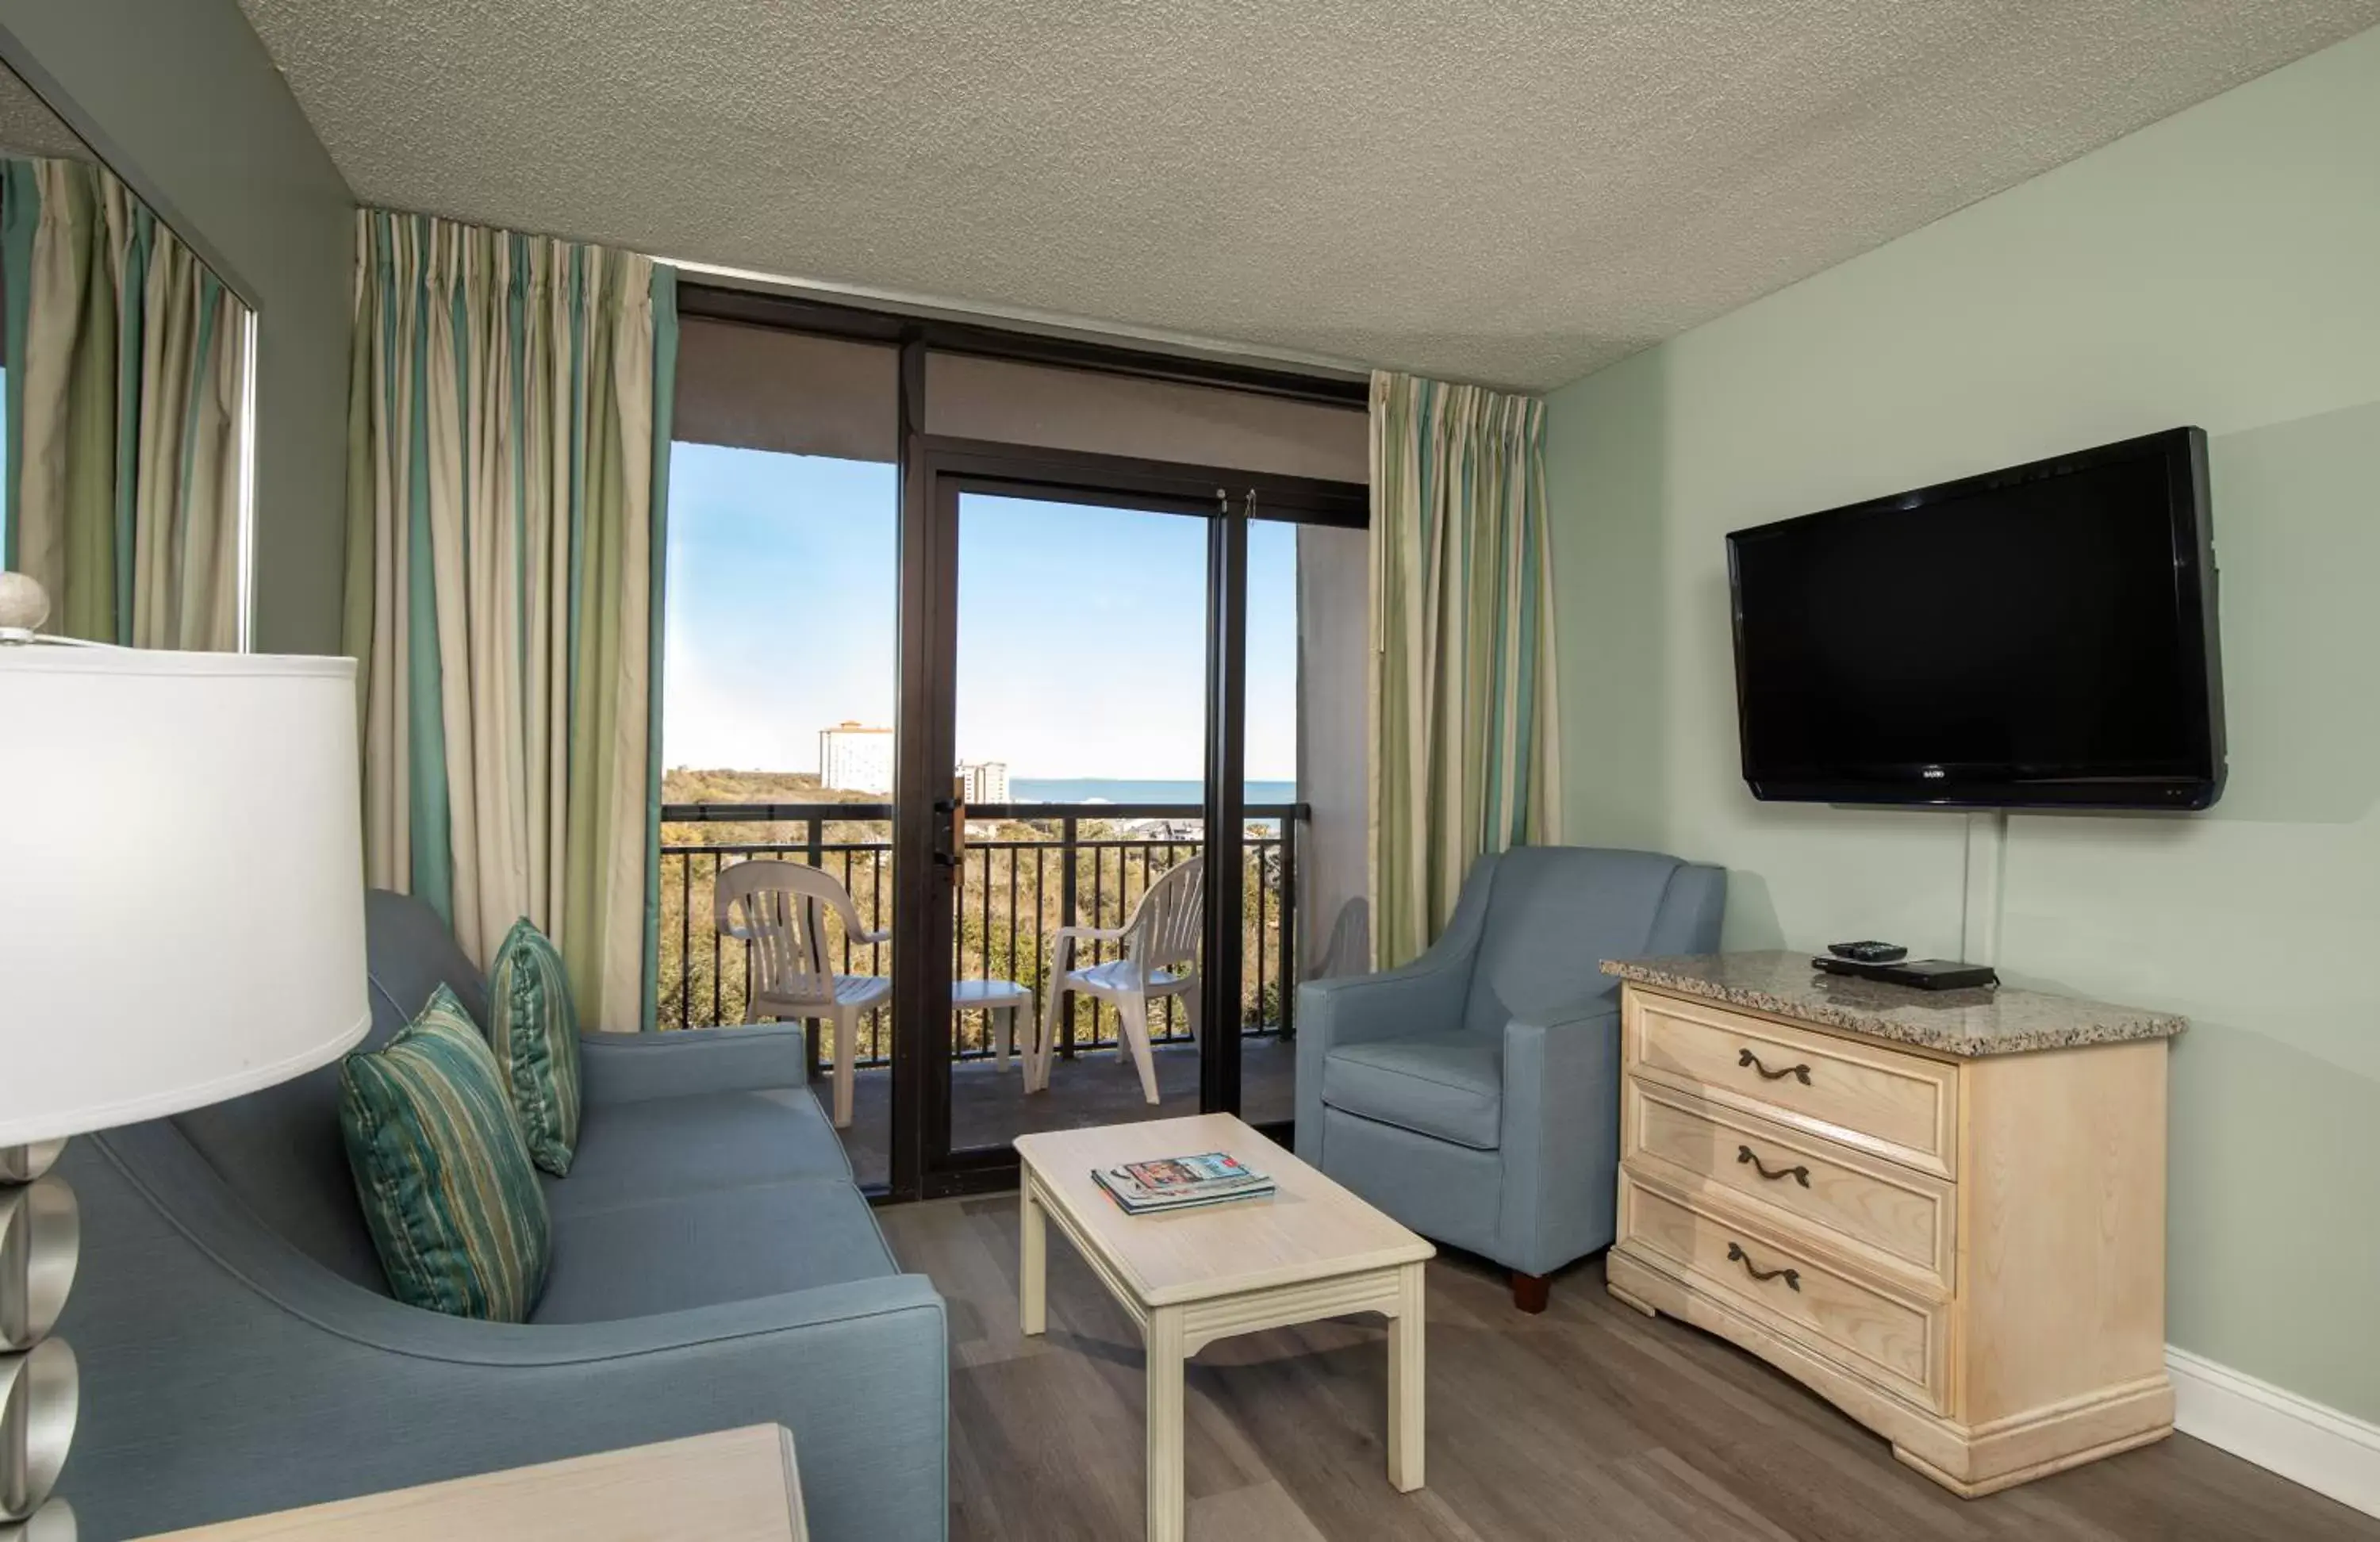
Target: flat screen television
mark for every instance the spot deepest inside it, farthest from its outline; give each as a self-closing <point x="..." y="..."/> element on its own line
<point x="2039" y="636"/>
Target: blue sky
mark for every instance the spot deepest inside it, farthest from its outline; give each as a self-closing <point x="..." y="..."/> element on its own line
<point x="1081" y="629"/>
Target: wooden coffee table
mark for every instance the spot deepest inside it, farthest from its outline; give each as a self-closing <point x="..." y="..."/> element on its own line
<point x="1311" y="1251"/>
<point x="737" y="1486"/>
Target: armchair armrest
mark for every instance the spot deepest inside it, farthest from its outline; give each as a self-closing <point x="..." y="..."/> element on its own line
<point x="1426" y="993"/>
<point x="678" y="1062"/>
<point x="1586" y="1034"/>
<point x="1561" y="1133"/>
<point x="1569" y="1018"/>
<point x="1354" y="1009"/>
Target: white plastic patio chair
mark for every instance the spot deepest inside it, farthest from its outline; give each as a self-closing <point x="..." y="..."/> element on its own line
<point x="1160" y="941"/>
<point x="774" y="909"/>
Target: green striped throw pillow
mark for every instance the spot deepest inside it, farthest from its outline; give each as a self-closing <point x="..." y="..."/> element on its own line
<point x="536" y="1039"/>
<point x="448" y="1192"/>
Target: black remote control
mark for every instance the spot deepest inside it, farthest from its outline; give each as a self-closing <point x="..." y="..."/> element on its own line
<point x="1869" y="952"/>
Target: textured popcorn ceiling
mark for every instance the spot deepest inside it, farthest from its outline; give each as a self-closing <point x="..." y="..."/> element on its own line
<point x="29" y="127"/>
<point x="1516" y="193"/>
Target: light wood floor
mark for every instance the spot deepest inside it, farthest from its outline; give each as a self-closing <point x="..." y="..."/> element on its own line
<point x="1588" y="1422"/>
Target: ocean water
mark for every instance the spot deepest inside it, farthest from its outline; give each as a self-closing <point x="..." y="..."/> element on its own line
<point x="1092" y="789"/>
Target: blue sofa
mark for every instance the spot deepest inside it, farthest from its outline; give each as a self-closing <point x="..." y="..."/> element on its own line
<point x="1475" y="1093"/>
<point x="714" y="1266"/>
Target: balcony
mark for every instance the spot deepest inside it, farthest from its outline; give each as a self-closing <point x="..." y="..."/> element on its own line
<point x="1028" y="870"/>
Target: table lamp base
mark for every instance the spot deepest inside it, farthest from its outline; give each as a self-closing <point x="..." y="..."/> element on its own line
<point x="40" y="1234"/>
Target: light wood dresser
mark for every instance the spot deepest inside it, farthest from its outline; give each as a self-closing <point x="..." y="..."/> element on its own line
<point x="1943" y="1212"/>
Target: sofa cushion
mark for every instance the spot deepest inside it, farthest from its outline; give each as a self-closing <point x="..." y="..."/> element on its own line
<point x="279" y="1149"/>
<point x="534" y="1032"/>
<point x="279" y="1152"/>
<point x="1449" y="1085"/>
<point x="409" y="952"/>
<point x="443" y="1176"/>
<point x="629" y="1153"/>
<point x="701" y="1249"/>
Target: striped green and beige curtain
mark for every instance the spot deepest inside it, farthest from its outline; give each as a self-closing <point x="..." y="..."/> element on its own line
<point x="126" y="359"/>
<point x="507" y="441"/>
<point x="1465" y="747"/>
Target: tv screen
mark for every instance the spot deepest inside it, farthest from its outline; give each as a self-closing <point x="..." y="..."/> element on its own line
<point x="2040" y="635"/>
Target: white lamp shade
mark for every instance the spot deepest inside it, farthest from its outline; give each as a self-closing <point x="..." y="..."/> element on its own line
<point x="181" y="881"/>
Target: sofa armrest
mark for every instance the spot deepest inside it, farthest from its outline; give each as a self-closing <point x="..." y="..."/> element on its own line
<point x="1560" y="1144"/>
<point x="730" y="1326"/>
<point x="679" y="1063"/>
<point x="859" y="1372"/>
<point x="293" y="1386"/>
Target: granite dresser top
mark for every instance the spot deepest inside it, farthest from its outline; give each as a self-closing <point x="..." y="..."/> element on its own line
<point x="1964" y="1023"/>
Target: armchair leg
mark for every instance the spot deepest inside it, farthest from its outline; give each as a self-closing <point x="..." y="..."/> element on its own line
<point x="1531" y="1291"/>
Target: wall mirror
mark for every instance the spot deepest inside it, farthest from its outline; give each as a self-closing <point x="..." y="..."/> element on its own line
<point x="128" y="364"/>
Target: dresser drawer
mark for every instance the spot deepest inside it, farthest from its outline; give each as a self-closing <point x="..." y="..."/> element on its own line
<point x="1868" y="1205"/>
<point x="1899" y="1106"/>
<point x="1897" y="1343"/>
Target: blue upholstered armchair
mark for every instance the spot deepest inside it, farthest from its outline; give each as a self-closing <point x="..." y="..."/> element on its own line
<point x="1474" y="1094"/>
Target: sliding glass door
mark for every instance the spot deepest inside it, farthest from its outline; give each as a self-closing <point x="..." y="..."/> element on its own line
<point x="1004" y="698"/>
<point x="780" y="694"/>
<point x="1037" y="715"/>
<point x="1073" y="774"/>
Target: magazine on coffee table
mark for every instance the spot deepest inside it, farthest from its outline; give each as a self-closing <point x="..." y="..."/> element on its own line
<point x="1181" y="1182"/>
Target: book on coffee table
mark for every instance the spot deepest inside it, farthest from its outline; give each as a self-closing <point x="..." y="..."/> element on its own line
<point x="1181" y="1182"/>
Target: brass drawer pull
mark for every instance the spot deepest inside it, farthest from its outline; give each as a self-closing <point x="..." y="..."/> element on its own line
<point x="1792" y="1277"/>
<point x="1800" y="1073"/>
<point x="1798" y="1175"/>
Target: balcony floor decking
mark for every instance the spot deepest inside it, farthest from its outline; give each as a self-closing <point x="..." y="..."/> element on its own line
<point x="989" y="1107"/>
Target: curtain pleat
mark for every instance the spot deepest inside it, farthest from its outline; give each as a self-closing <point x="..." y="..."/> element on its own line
<point x="501" y="476"/>
<point x="665" y="340"/>
<point x="1465" y="742"/>
<point x="125" y="360"/>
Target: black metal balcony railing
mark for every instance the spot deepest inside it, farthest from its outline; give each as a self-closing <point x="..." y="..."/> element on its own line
<point x="1044" y="866"/>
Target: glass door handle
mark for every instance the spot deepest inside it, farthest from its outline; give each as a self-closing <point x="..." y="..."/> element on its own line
<point x="954" y="851"/>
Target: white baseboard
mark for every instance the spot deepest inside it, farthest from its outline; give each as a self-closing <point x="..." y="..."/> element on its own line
<point x="2327" y="1450"/>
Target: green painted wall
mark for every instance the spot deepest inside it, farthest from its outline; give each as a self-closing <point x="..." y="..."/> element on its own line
<point x="181" y="97"/>
<point x="2220" y="268"/>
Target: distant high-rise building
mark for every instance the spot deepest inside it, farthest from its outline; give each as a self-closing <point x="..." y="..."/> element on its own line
<point x="985" y="781"/>
<point x="853" y="758"/>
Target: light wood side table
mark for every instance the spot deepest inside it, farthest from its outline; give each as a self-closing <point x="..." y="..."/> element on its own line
<point x="1311" y="1251"/>
<point x="737" y="1486"/>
